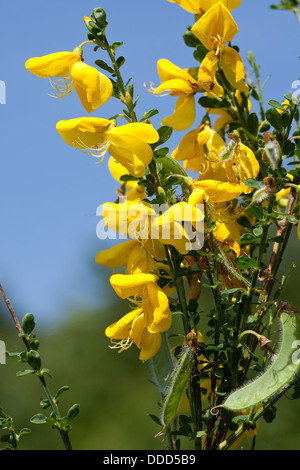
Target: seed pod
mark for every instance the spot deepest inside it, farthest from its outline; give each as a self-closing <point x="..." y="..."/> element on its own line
<point x="283" y="368"/>
<point x="178" y="381"/>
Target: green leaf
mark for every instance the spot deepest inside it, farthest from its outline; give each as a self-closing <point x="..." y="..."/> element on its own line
<point x="120" y="61"/>
<point x="244" y="222"/>
<point x="200" y="52"/>
<point x="115" y="45"/>
<point x="103" y="65"/>
<point x="21" y="373"/>
<point x="155" y="419"/>
<point x="246" y="263"/>
<point x="73" y="412"/>
<point x="258" y="231"/>
<point x="39" y="418"/>
<point x="209" y="102"/>
<point x="47" y="372"/>
<point x="165" y="133"/>
<point x="252" y="124"/>
<point x="33" y="359"/>
<point x="248" y="238"/>
<point x="252" y="183"/>
<point x="274" y="119"/>
<point x="24" y="431"/>
<point x="190" y="39"/>
<point x="277" y="105"/>
<point x="148" y="115"/>
<point x="28" y="323"/>
<point x="61" y="391"/>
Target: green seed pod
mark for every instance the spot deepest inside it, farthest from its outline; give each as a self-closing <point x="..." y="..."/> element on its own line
<point x="178" y="381"/>
<point x="284" y="366"/>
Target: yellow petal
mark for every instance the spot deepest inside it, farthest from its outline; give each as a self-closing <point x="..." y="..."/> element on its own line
<point x="131" y="152"/>
<point x="121" y="328"/>
<point x="139" y="130"/>
<point x="128" y="285"/>
<point x="247" y="165"/>
<point x="222" y="121"/>
<point x="218" y="191"/>
<point x="116" y="169"/>
<point x="137" y="330"/>
<point x="230" y="4"/>
<point x="233" y="68"/>
<point x="52" y="65"/>
<point x="198" y="6"/>
<point x="207" y="74"/>
<point x="156" y="248"/>
<point x="137" y="260"/>
<point x="190" y="5"/>
<point x="151" y="343"/>
<point x="93" y="88"/>
<point x="217" y="22"/>
<point x="197" y="197"/>
<point x="187" y="147"/>
<point x="184" y="114"/>
<point x="157" y="309"/>
<point x="88" y="131"/>
<point x="168" y="71"/>
<point x="175" y="87"/>
<point x="116" y="256"/>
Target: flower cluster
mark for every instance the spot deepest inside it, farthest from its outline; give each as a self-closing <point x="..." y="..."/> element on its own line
<point x="201" y="210"/>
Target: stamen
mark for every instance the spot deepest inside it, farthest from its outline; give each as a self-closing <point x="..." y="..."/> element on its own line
<point x="122" y="345"/>
<point x="63" y="86"/>
<point x="152" y="90"/>
<point x="97" y="151"/>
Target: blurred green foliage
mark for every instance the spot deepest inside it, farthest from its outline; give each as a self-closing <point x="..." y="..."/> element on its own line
<point x="114" y="390"/>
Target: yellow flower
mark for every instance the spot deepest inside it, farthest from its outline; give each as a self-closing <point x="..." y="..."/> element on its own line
<point x="241" y="166"/>
<point x="199" y="6"/>
<point x="93" y="88"/>
<point x="151" y="317"/>
<point x="182" y="84"/>
<point x="132" y="328"/>
<point x="227" y="230"/>
<point x="214" y="191"/>
<point x="140" y="221"/>
<point x="214" y="29"/>
<point x="128" y="144"/>
<point x="133" y="191"/>
<point x="200" y="149"/>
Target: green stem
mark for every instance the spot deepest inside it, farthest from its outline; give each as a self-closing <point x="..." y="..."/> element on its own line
<point x="55" y="409"/>
<point x="63" y="433"/>
<point x="122" y="88"/>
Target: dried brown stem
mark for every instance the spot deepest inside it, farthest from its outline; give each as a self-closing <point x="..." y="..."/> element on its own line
<point x="15" y="319"/>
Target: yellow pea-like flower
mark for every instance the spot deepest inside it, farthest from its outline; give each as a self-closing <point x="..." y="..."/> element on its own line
<point x="199" y="6"/>
<point x="215" y="29"/>
<point x="178" y="82"/>
<point x="93" y="88"/>
<point x="200" y="149"/>
<point x="128" y="144"/>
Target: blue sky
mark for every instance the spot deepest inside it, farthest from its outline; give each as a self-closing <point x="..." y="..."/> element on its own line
<point x="49" y="192"/>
